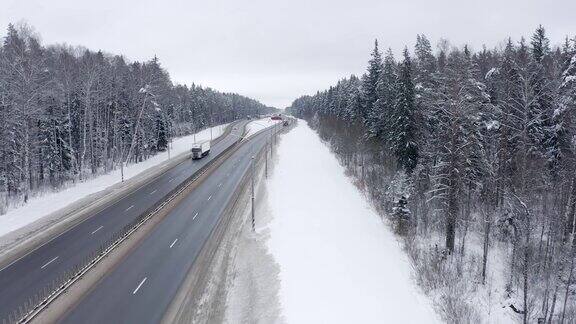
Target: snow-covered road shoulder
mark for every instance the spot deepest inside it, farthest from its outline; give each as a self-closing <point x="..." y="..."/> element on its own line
<point x="338" y="262"/>
<point x="255" y="126"/>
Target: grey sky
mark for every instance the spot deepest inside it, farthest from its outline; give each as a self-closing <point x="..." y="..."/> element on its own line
<point x="275" y="51"/>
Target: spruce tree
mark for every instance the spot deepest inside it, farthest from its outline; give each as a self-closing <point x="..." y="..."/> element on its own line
<point x="425" y="73"/>
<point x="402" y="214"/>
<point x="162" y="132"/>
<point x="369" y="85"/>
<point x="403" y="125"/>
<point x="541" y="109"/>
<point x="540" y="44"/>
<point x="384" y="106"/>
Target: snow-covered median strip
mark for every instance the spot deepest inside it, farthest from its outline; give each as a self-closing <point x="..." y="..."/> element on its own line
<point x="257" y="125"/>
<point x="338" y="262"/>
<point x="41" y="206"/>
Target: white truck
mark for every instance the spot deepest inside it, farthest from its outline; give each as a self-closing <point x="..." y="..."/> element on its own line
<point x="199" y="150"/>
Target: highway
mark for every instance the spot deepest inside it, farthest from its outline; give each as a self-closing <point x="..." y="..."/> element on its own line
<point x="33" y="272"/>
<point x="141" y="287"/>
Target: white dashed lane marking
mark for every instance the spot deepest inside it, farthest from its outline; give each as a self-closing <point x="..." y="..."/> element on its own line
<point x="47" y="263"/>
<point x="140" y="285"/>
<point x="96" y="230"/>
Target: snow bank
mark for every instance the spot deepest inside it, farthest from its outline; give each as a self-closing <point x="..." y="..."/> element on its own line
<point x="338" y="262"/>
<point x="43" y="205"/>
<point x="255" y="126"/>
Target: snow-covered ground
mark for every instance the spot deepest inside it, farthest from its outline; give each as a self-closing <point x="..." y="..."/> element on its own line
<point x="43" y="205"/>
<point x="338" y="262"/>
<point x="257" y="125"/>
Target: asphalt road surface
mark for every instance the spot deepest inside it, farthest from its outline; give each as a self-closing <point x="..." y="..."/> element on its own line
<point x="36" y="270"/>
<point x="141" y="287"/>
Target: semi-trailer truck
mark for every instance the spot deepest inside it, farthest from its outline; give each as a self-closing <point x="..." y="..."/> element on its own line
<point x="199" y="150"/>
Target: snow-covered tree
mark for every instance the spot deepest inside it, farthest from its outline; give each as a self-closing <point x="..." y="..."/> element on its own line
<point x="69" y="113"/>
<point x="401" y="214"/>
<point x="382" y="112"/>
<point x="369" y="85"/>
<point x="403" y="124"/>
<point x="495" y="135"/>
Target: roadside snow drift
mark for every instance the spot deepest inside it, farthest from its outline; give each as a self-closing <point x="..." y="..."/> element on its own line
<point x="43" y="205"/>
<point x="339" y="263"/>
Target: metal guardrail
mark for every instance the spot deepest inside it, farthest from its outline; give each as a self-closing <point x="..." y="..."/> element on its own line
<point x="35" y="304"/>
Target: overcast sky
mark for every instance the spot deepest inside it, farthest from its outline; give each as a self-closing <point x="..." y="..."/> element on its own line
<point x="276" y="51"/>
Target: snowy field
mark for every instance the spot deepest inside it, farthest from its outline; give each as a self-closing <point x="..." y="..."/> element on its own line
<point x="338" y="261"/>
<point x="43" y="205"/>
<point x="257" y="125"/>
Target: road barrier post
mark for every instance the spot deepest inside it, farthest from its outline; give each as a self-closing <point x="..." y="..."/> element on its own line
<point x="266" y="163"/>
<point x="253" y="174"/>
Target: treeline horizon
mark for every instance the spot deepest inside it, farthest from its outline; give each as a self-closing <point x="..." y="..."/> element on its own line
<point x="460" y="145"/>
<point x="69" y="113"/>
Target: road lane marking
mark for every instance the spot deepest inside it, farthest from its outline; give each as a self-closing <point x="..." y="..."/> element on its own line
<point x="127" y="209"/>
<point x="193" y="218"/>
<point x="171" y="245"/>
<point x="171" y="180"/>
<point x="47" y="263"/>
<point x="96" y="230"/>
<point x="153" y="191"/>
<point x="140" y="285"/>
<point x="209" y="197"/>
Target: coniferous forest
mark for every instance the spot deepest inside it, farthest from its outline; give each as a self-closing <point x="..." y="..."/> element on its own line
<point x="471" y="156"/>
<point x="69" y="113"/>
